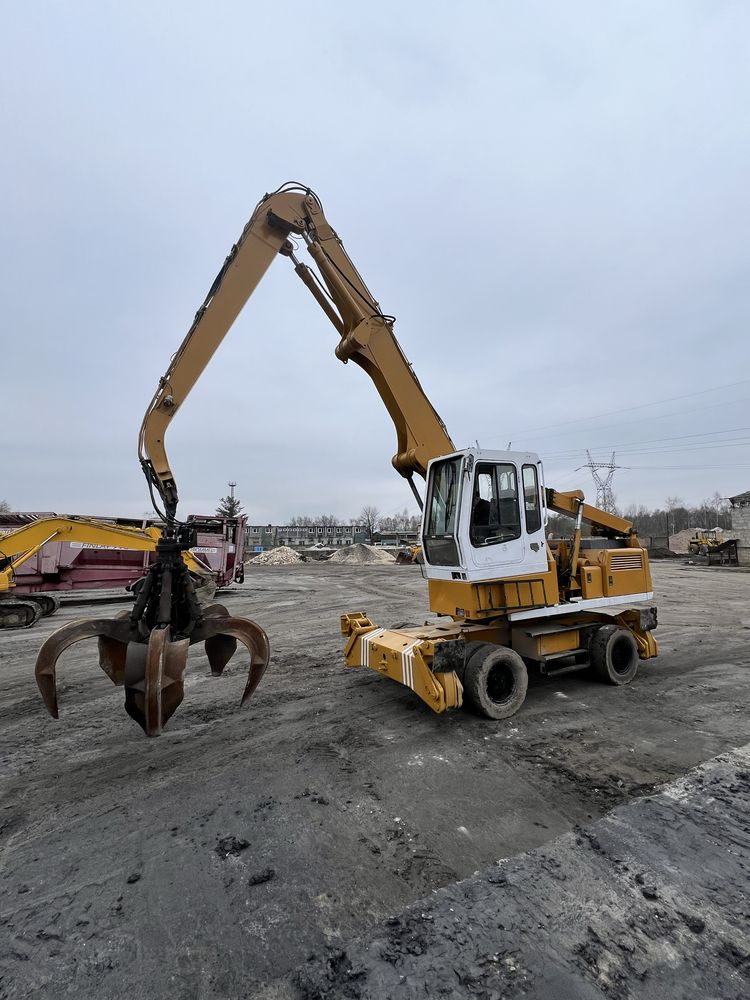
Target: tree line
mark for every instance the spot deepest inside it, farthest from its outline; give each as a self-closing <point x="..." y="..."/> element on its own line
<point x="674" y="516"/>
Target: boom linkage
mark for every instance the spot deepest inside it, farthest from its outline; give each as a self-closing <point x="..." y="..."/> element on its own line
<point x="602" y="523"/>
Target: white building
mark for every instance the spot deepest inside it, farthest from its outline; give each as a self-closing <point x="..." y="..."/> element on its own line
<point x="267" y="536"/>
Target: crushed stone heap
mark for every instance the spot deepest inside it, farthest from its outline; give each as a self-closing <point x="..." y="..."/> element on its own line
<point x="362" y="554"/>
<point x="679" y="542"/>
<point x="282" y="556"/>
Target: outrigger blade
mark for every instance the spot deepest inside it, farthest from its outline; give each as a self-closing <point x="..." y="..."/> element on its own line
<point x="146" y="651"/>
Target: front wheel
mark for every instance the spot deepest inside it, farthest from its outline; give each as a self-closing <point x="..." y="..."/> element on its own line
<point x="495" y="681"/>
<point x="614" y="654"/>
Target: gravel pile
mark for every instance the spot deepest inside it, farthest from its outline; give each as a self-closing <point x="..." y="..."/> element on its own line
<point x="362" y="554"/>
<point x="282" y="556"/>
<point x="679" y="542"/>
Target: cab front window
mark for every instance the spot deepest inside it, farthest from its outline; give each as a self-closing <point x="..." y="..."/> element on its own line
<point x="442" y="513"/>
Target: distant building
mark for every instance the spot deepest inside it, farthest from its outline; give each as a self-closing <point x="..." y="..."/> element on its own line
<point x="259" y="537"/>
<point x="298" y="536"/>
<point x="740" y="513"/>
<point x="396" y="537"/>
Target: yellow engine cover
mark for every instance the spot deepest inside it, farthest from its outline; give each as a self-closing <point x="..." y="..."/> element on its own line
<point x="625" y="571"/>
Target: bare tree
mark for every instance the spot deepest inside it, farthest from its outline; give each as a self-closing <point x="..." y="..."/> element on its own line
<point x="4" y="507"/>
<point x="674" y="506"/>
<point x="718" y="505"/>
<point x="400" y="522"/>
<point x="369" y="518"/>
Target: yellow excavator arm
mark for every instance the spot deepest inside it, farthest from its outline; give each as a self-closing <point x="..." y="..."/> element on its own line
<point x="602" y="523"/>
<point x="17" y="547"/>
<point x="365" y="334"/>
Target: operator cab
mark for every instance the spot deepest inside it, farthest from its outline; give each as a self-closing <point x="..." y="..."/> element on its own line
<point x="484" y="516"/>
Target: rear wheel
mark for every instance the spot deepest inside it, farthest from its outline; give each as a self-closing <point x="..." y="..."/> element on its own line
<point x="495" y="681"/>
<point x="614" y="654"/>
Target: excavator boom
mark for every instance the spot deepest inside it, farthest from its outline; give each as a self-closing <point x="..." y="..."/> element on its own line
<point x="365" y="333"/>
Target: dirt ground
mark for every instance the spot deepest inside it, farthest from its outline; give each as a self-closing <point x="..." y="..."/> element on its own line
<point x="219" y="859"/>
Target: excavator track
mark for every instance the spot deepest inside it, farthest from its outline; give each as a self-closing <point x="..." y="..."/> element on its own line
<point x="48" y="603"/>
<point x="19" y="614"/>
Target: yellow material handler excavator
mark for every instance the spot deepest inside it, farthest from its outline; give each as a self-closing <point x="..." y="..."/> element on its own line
<point x="510" y="598"/>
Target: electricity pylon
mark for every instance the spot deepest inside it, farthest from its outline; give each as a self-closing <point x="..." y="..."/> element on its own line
<point x="605" y="497"/>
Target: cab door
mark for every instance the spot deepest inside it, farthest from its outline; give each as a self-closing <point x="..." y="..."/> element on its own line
<point x="506" y="520"/>
<point x="496" y="532"/>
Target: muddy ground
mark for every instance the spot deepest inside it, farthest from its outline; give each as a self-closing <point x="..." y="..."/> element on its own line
<point x="648" y="902"/>
<point x="240" y="846"/>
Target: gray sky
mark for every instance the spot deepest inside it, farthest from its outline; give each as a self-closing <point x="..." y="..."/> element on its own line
<point x="551" y="198"/>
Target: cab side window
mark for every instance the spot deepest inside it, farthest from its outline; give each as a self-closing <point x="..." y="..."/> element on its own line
<point x="531" y="502"/>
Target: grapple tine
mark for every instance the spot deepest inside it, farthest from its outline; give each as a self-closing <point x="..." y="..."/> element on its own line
<point x="173" y="684"/>
<point x="215" y="611"/>
<point x="113" y="653"/>
<point x="45" y="670"/>
<point x="220" y="649"/>
<point x="154" y="680"/>
<point x="250" y="635"/>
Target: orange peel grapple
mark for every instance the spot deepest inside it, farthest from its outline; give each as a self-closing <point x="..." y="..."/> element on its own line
<point x="145" y="650"/>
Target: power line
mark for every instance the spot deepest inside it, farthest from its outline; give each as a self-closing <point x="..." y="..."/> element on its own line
<point x="683" y="468"/>
<point x="698" y="448"/>
<point x="630" y="409"/>
<point x="680" y="437"/>
<point x="650" y="420"/>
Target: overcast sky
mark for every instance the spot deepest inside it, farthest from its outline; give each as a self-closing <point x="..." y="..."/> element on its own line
<point x="552" y="198"/>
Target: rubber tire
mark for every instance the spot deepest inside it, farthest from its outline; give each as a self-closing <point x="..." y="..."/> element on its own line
<point x="471" y="649"/>
<point x="607" y="648"/>
<point x="239" y="576"/>
<point x="478" y="676"/>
